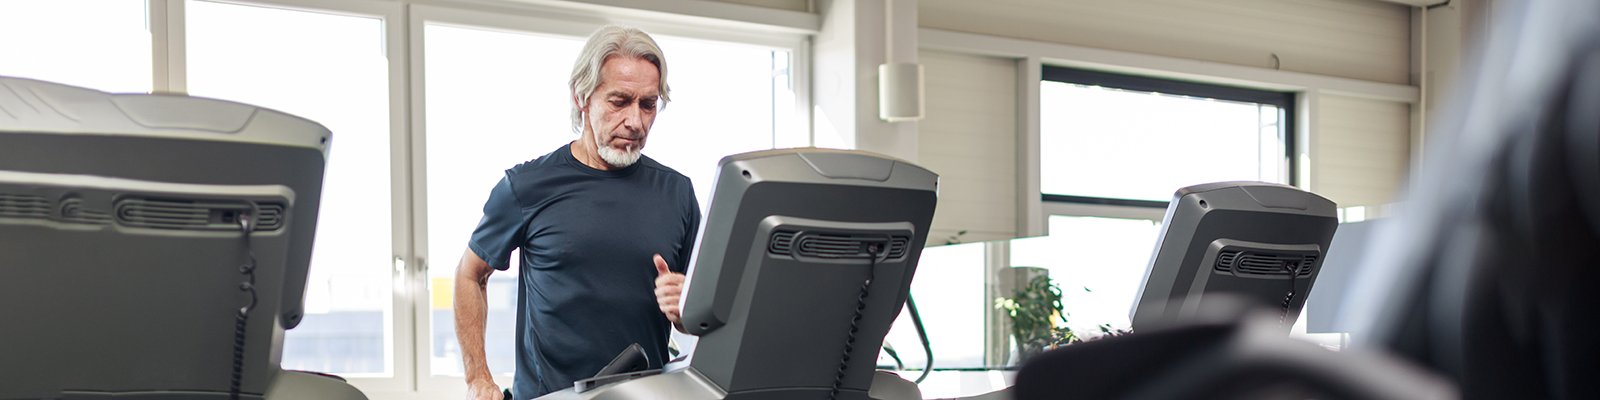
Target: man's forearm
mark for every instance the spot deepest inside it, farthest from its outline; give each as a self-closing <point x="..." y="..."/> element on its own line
<point x="470" y="310"/>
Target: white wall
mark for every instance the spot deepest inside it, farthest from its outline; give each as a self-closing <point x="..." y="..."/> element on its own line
<point x="1361" y="150"/>
<point x="855" y="38"/>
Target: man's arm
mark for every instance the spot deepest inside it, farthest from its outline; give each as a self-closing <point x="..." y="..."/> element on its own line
<point x="471" y="303"/>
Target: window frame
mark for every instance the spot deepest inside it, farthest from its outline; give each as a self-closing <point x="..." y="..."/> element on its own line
<point x="1285" y="101"/>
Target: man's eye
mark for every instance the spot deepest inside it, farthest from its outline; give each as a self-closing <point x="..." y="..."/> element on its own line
<point x="648" y="104"/>
<point x="619" y="103"/>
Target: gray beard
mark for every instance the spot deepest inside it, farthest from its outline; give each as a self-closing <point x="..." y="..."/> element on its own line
<point x="618" y="159"/>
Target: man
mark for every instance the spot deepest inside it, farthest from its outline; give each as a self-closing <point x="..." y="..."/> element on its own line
<point x="588" y="219"/>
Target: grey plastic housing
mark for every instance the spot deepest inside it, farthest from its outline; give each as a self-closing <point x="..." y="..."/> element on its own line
<point x="120" y="247"/>
<point x="55" y="128"/>
<point x="770" y="323"/>
<point x="1203" y="221"/>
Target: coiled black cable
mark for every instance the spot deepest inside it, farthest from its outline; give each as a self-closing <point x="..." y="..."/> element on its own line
<point x="238" y="357"/>
<point x="861" y="307"/>
<point x="248" y="269"/>
<point x="1288" y="297"/>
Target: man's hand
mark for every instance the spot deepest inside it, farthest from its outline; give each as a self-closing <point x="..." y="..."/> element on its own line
<point x="484" y="389"/>
<point x="669" y="287"/>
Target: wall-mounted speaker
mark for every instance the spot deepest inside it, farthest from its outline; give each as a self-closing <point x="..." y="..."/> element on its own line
<point x="900" y="92"/>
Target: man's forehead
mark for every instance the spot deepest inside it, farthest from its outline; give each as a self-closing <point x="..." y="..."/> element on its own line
<point x="628" y="78"/>
<point x="625" y="92"/>
<point x="635" y="70"/>
<point x="634" y="90"/>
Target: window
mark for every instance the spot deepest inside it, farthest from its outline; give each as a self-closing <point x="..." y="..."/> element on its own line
<point x="1114" y="149"/>
<point x="496" y="98"/>
<point x="1126" y="140"/>
<point x="949" y="294"/>
<point x="98" y="44"/>
<point x="727" y="98"/>
<point x="1098" y="264"/>
<point x="331" y="69"/>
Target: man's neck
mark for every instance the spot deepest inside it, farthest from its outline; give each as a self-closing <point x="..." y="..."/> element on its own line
<point x="584" y="151"/>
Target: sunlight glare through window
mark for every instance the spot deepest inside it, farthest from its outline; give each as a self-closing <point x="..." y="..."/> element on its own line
<point x="948" y="287"/>
<point x="98" y="44"/>
<point x="1113" y="143"/>
<point x="1097" y="262"/>
<point x="331" y="69"/>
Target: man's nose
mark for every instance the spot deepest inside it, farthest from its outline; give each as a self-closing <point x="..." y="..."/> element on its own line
<point x="633" y="118"/>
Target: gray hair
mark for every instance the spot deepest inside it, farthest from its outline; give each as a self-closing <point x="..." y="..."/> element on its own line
<point x="608" y="41"/>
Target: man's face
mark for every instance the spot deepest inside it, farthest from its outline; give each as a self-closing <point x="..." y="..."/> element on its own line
<point x="622" y="108"/>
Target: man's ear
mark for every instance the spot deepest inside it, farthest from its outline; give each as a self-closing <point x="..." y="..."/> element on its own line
<point x="583" y="112"/>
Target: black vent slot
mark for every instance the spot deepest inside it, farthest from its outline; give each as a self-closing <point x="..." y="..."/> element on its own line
<point x="1226" y="259"/>
<point x="72" y="210"/>
<point x="201" y="215"/>
<point x="1262" y="263"/>
<point x="14" y="205"/>
<point x="269" y="217"/>
<point x="835" y="245"/>
<point x="782" y="243"/>
<point x="898" y="246"/>
<point x="831" y="246"/>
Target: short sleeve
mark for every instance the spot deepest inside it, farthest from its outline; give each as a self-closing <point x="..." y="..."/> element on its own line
<point x="500" y="230"/>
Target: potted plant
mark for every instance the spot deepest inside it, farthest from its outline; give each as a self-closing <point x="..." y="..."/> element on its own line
<point x="1037" y="320"/>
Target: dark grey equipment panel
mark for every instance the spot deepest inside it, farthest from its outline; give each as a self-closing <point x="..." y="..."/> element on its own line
<point x="1251" y="240"/>
<point x="790" y="240"/>
<point x="120" y="247"/>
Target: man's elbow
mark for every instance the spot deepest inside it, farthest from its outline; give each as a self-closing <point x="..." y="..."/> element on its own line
<point x="473" y="269"/>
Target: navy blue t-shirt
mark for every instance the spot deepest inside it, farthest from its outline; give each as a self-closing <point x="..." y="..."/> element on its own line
<point x="588" y="280"/>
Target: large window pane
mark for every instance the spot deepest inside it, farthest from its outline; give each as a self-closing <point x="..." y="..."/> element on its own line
<point x="1097" y="262"/>
<point x="1106" y="142"/>
<point x="331" y="69"/>
<point x="722" y="103"/>
<point x="495" y="99"/>
<point x="98" y="44"/>
<point x="948" y="288"/>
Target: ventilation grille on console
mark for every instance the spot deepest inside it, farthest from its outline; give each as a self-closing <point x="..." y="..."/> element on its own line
<point x="1263" y="263"/>
<point x="14" y="205"/>
<point x="194" y="215"/>
<point x="833" y="245"/>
